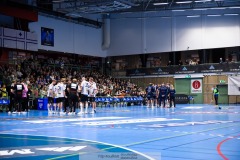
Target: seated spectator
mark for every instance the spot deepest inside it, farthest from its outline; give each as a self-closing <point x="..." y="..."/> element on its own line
<point x="221" y="61"/>
<point x="169" y="63"/>
<point x="180" y="62"/>
<point x="227" y="61"/>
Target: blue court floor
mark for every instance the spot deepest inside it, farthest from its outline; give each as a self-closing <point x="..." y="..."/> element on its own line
<point x="187" y="132"/>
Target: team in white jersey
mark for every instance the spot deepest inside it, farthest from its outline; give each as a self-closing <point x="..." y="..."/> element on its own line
<point x="50" y="95"/>
<point x="59" y="90"/>
<point x="92" y="94"/>
<point x="84" y="89"/>
<point x="57" y="95"/>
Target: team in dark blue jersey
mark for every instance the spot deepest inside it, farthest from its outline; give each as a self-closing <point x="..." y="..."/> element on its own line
<point x="160" y="95"/>
<point x="150" y="91"/>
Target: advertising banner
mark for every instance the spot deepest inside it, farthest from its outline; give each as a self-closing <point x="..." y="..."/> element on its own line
<point x="234" y="85"/>
<point x="196" y="86"/>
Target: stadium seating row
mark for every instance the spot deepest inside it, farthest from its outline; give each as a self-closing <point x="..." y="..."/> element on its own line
<point x="116" y="101"/>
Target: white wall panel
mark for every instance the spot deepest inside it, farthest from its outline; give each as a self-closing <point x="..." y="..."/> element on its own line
<point x="7" y="32"/>
<point x="31" y="46"/>
<point x="187" y="33"/>
<point x="8" y="43"/>
<point x="158" y="34"/>
<point x="20" y="45"/>
<point x="126" y="36"/>
<point x="70" y="37"/>
<point x="221" y="31"/>
<point x="138" y="35"/>
<point x="32" y="36"/>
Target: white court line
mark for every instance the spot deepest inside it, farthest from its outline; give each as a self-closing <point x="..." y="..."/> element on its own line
<point x="126" y="121"/>
<point x="77" y="119"/>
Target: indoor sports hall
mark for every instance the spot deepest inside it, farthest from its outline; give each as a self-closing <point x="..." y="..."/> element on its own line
<point x="119" y="80"/>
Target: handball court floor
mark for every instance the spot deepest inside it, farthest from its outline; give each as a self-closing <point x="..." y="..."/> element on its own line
<point x="187" y="132"/>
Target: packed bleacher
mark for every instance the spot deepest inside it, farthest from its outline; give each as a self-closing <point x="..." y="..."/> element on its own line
<point x="37" y="75"/>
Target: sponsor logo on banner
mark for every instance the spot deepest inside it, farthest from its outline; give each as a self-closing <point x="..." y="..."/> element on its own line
<point x="157" y="71"/>
<point x="211" y="67"/>
<point x="184" y="69"/>
<point x="196" y="86"/>
<point x="233" y="85"/>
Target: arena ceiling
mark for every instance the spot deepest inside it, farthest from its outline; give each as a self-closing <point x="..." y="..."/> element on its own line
<point x="80" y="9"/>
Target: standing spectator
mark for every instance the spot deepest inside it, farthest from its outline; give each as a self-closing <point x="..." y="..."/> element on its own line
<point x="4" y="91"/>
<point x="24" y="97"/>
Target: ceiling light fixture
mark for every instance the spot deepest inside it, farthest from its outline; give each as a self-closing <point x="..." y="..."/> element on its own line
<point x="218" y="8"/>
<point x="213" y="15"/>
<point x="231" y="14"/>
<point x="58" y="1"/>
<point x="178" y="10"/>
<point x="202" y="1"/>
<point x="158" y="4"/>
<point x="183" y="2"/>
<point x="237" y="7"/>
<point x="193" y="16"/>
<point x="200" y="9"/>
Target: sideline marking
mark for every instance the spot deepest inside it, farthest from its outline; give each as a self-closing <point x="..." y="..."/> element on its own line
<point x="192" y="108"/>
<point x="129" y="121"/>
<point x="220" y="144"/>
<point x="73" y="119"/>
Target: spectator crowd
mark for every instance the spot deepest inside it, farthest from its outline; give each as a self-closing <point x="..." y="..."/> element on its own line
<point x="37" y="75"/>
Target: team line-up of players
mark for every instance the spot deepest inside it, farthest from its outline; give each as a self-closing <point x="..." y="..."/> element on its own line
<point x="160" y="95"/>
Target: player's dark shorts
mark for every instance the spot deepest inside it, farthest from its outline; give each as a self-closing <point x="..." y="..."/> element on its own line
<point x="50" y="100"/>
<point x="79" y="95"/>
<point x="60" y="99"/>
<point x="149" y="96"/>
<point x="73" y="98"/>
<point x="84" y="98"/>
<point x="91" y="99"/>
